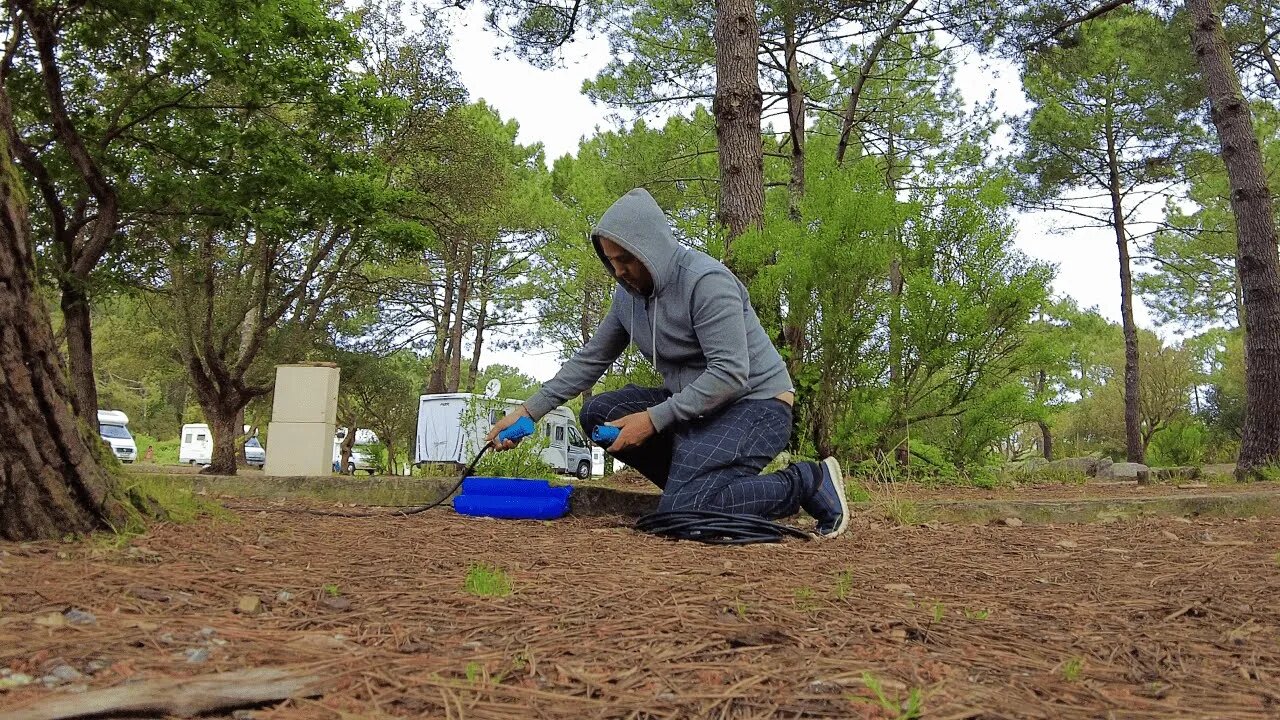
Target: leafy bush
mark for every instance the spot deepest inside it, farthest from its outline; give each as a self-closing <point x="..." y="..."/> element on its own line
<point x="1182" y="442"/>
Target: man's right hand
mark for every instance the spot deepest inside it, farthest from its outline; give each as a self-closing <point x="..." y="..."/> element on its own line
<point x="505" y="422"/>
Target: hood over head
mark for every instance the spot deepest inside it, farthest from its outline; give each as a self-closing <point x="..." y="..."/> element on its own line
<point x="636" y="223"/>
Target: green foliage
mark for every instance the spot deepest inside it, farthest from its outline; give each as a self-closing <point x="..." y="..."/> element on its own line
<point x="1072" y="669"/>
<point x="909" y="708"/>
<point x="1182" y="442"/>
<point x="331" y="590"/>
<point x="487" y="581"/>
<point x="165" y="452"/>
<point x="844" y="583"/>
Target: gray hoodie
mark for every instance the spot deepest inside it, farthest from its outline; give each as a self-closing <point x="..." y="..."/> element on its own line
<point x="697" y="327"/>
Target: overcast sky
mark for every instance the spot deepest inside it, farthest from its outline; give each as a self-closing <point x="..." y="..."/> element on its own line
<point x="551" y="110"/>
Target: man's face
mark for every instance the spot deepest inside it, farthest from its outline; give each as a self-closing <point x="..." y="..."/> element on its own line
<point x="627" y="267"/>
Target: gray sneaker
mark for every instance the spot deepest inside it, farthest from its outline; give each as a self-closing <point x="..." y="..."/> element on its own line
<point x="828" y="505"/>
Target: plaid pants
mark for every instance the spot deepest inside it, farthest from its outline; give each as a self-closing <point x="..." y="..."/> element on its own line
<point x="713" y="463"/>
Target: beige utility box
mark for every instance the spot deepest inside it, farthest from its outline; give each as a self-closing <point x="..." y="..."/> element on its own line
<point x="300" y="435"/>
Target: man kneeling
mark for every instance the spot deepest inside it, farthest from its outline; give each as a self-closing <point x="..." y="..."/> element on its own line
<point x="724" y="410"/>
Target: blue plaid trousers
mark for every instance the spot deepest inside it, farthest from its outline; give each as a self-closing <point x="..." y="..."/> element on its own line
<point x="713" y="463"/>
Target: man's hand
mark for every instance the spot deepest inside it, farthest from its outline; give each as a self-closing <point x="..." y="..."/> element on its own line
<point x="636" y="428"/>
<point x="503" y="423"/>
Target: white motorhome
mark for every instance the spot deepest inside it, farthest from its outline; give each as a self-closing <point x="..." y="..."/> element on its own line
<point x="359" y="460"/>
<point x="452" y="427"/>
<point x="113" y="426"/>
<point x="196" y="447"/>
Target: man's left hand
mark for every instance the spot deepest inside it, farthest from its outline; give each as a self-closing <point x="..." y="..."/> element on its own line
<point x="636" y="429"/>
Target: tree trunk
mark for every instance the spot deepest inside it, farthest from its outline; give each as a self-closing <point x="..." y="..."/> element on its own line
<point x="1046" y="437"/>
<point x="440" y="355"/>
<point x="242" y="460"/>
<point x="864" y="72"/>
<point x="1259" y="262"/>
<point x="795" y="116"/>
<point x="50" y="481"/>
<point x="737" y="105"/>
<point x="75" y="313"/>
<point x="1134" y="447"/>
<point x="222" y="418"/>
<point x="344" y="453"/>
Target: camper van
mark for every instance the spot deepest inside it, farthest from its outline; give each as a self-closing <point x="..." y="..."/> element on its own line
<point x="113" y="425"/>
<point x="358" y="461"/>
<point x="196" y="447"/>
<point x="452" y="427"/>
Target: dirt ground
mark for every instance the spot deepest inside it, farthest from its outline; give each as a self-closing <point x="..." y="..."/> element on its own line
<point x="1151" y="619"/>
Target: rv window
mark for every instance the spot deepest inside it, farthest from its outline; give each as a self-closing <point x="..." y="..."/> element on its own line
<point x="493" y="417"/>
<point x="574" y="438"/>
<point x="559" y="433"/>
<point x="188" y="438"/>
<point x="546" y="429"/>
<point x="200" y="437"/>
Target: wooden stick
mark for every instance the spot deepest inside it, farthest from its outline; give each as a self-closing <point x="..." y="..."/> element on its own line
<point x="183" y="697"/>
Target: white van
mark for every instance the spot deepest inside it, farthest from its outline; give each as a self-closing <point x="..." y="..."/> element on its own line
<point x="113" y="426"/>
<point x="358" y="460"/>
<point x="196" y="447"/>
<point x="442" y="436"/>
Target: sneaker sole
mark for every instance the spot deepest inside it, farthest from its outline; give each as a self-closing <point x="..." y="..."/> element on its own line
<point x="837" y="477"/>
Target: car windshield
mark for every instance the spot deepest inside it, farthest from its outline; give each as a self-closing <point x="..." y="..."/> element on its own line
<point x="253" y="442"/>
<point x="118" y="432"/>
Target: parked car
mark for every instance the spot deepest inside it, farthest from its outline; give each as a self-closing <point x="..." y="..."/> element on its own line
<point x="113" y="426"/>
<point x="254" y="453"/>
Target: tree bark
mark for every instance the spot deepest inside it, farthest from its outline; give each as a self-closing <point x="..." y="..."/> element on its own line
<point x="795" y="115"/>
<point x="737" y="105"/>
<point x="75" y="314"/>
<point x="344" y="452"/>
<point x="51" y="482"/>
<point x="1259" y="261"/>
<point x="1046" y="437"/>
<point x="1134" y="447"/>
<point x="222" y="423"/>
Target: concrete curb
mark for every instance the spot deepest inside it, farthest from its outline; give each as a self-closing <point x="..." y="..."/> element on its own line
<point x="591" y="501"/>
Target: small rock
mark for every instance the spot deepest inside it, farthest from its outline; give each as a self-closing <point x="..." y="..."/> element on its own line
<point x="196" y="655"/>
<point x="284" y="596"/>
<point x="15" y="680"/>
<point x="66" y="674"/>
<point x="80" y="617"/>
<point x="167" y="639"/>
<point x="472" y="645"/>
<point x="1169" y="536"/>
<point x="1125" y="471"/>
<point x="52" y="620"/>
<point x="1013" y="522"/>
<point x="207" y="632"/>
<point x="899" y="587"/>
<point x="96" y="666"/>
<point x="1067" y="544"/>
<point x="336" y="603"/>
<point x="250" y="605"/>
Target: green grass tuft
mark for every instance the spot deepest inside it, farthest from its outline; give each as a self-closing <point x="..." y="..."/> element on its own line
<point x="487" y="581"/>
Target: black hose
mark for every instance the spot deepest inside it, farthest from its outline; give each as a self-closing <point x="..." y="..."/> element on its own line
<point x="716" y="528"/>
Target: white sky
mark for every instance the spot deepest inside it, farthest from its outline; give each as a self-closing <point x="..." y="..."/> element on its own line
<point x="550" y="109"/>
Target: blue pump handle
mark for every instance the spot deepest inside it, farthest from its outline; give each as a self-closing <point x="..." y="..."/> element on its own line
<point x="522" y="429"/>
<point x="605" y="434"/>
